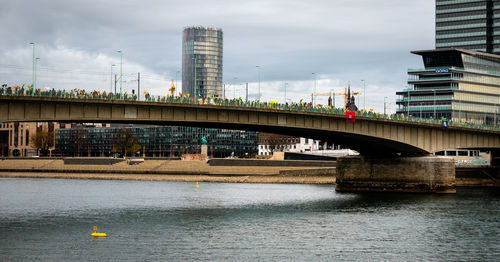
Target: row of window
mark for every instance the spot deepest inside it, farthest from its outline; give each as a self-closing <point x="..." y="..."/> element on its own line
<point x="461" y="43"/>
<point x="463" y="8"/>
<point x="462" y="14"/>
<point x="482" y="79"/>
<point x="470" y="34"/>
<point x="451" y="2"/>
<point x="479" y="88"/>
<point x="461" y="18"/>
<point x="467" y="106"/>
<point x="486" y="98"/>
<point x="460" y="26"/>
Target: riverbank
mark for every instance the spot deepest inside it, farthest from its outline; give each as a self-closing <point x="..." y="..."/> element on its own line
<point x="166" y="170"/>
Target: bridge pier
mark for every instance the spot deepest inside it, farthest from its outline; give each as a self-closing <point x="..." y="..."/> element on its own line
<point x="428" y="174"/>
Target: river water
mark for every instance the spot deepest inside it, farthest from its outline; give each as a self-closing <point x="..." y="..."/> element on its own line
<point x="51" y="220"/>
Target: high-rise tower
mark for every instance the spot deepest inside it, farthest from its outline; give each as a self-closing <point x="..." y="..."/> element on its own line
<point x="202" y="62"/>
<point x="468" y="24"/>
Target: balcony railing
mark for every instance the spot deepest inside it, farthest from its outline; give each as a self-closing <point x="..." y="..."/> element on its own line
<point x="416" y="99"/>
<point x="432" y="79"/>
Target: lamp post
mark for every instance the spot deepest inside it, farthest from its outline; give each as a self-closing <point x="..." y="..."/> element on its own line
<point x="258" y="73"/>
<point x="33" y="80"/>
<point x="286" y="84"/>
<point x="459" y="112"/>
<point x="194" y="86"/>
<point x="364" y="95"/>
<point x="421" y="103"/>
<point x="121" y="72"/>
<point x="385" y="97"/>
<point x="434" y="103"/>
<point x="314" y="92"/>
<point x="111" y="79"/>
<point x="36" y="67"/>
<point x="408" y="106"/>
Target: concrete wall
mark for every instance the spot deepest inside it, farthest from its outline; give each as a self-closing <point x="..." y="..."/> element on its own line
<point x="257" y="162"/>
<point x="403" y="174"/>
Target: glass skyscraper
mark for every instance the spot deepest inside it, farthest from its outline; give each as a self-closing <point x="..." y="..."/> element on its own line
<point x="459" y="84"/>
<point x="468" y="24"/>
<point x="202" y="62"/>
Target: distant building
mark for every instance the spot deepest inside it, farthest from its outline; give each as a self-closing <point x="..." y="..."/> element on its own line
<point x="15" y="137"/>
<point x="157" y="141"/>
<point x="458" y="84"/>
<point x="468" y="24"/>
<point x="269" y="143"/>
<point x="202" y="62"/>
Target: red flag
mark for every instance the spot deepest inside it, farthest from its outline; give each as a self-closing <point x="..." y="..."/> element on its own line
<point x="350" y="116"/>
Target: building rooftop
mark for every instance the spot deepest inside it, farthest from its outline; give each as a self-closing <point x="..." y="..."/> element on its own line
<point x="483" y="55"/>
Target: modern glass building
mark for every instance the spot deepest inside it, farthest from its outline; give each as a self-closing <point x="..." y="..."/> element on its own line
<point x="202" y="62"/>
<point x="157" y="141"/>
<point x="468" y="24"/>
<point x="458" y="84"/>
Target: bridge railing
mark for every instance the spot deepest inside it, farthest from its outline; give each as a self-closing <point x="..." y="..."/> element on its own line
<point x="294" y="106"/>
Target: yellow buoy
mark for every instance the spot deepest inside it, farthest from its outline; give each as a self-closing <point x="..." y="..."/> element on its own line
<point x="197" y="185"/>
<point x="95" y="234"/>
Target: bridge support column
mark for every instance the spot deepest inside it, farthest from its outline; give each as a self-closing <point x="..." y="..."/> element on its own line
<point x="427" y="174"/>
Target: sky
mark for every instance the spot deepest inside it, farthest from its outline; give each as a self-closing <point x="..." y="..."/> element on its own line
<point x="341" y="41"/>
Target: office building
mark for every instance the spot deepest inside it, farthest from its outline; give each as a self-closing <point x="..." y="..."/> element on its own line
<point x="157" y="141"/>
<point x="458" y="84"/>
<point x="468" y="24"/>
<point x="202" y="62"/>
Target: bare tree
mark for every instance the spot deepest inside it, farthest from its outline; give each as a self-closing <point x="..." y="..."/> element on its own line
<point x="42" y="141"/>
<point x="79" y="139"/>
<point x="124" y="141"/>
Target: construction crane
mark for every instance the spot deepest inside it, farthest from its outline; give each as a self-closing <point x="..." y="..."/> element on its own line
<point x="172" y="89"/>
<point x="331" y="94"/>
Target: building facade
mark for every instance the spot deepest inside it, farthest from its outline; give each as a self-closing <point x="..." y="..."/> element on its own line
<point x="468" y="24"/>
<point x="15" y="137"/>
<point x="202" y="62"/>
<point x="458" y="84"/>
<point x="157" y="141"/>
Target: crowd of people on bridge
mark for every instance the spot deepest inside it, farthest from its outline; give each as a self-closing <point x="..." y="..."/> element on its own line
<point x="27" y="90"/>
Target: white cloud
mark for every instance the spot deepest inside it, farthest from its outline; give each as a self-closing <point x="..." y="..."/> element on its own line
<point x="341" y="40"/>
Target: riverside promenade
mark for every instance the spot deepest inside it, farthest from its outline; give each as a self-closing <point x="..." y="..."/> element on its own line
<point x="166" y="170"/>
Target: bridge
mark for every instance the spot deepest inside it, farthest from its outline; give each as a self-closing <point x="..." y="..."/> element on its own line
<point x="367" y="135"/>
<point x="382" y="141"/>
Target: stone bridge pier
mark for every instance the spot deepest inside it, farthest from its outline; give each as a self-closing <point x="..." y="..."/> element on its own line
<point x="426" y="174"/>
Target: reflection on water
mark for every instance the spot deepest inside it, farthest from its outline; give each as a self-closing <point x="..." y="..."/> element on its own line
<point x="52" y="220"/>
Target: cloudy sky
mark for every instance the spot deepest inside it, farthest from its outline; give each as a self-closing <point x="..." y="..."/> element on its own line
<point x="341" y="41"/>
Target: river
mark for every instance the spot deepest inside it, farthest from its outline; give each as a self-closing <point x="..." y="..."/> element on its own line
<point x="52" y="219"/>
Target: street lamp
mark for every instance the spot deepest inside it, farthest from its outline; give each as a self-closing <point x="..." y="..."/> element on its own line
<point x="364" y="95"/>
<point x="408" y="106"/>
<point x="434" y="103"/>
<point x="421" y="103"/>
<point x="121" y="72"/>
<point x="36" y="67"/>
<point x="258" y="72"/>
<point x="111" y="79"/>
<point x="385" y="97"/>
<point x="286" y="84"/>
<point x="314" y="93"/>
<point x="33" y="80"/>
